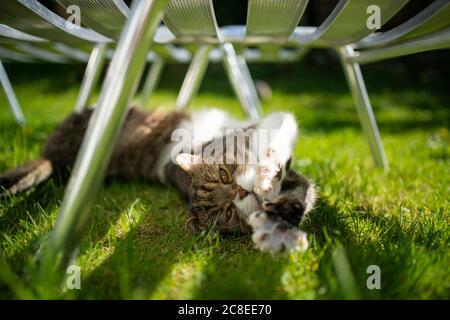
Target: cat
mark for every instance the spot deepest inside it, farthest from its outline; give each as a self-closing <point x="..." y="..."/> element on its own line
<point x="233" y="177"/>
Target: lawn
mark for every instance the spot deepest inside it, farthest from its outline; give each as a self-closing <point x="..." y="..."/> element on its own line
<point x="136" y="245"/>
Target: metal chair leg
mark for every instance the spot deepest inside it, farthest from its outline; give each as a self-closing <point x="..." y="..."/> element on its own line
<point x="90" y="166"/>
<point x="152" y="79"/>
<point x="241" y="81"/>
<point x="11" y="96"/>
<point x="194" y="77"/>
<point x="363" y="107"/>
<point x="91" y="75"/>
<point x="250" y="84"/>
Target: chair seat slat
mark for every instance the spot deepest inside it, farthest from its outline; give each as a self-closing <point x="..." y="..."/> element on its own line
<point x="11" y="33"/>
<point x="106" y="17"/>
<point x="194" y="19"/>
<point x="433" y="18"/>
<point x="348" y="22"/>
<point x="277" y="18"/>
<point x="14" y="55"/>
<point x="31" y="17"/>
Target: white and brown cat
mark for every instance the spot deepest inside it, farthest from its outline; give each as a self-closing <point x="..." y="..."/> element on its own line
<point x="234" y="177"/>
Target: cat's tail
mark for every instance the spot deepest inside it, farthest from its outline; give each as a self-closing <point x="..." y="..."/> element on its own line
<point x="25" y="177"/>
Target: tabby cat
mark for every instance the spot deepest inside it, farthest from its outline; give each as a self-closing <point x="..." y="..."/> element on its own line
<point x="246" y="185"/>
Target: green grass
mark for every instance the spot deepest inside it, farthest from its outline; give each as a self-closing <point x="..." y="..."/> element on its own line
<point x="136" y="245"/>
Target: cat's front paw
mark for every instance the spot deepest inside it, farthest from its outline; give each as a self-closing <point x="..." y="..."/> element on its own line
<point x="276" y="235"/>
<point x="286" y="207"/>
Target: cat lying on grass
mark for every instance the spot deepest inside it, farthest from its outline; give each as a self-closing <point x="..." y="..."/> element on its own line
<point x="235" y="174"/>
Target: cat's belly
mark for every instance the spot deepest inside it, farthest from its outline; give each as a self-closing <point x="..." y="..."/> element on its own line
<point x="143" y="136"/>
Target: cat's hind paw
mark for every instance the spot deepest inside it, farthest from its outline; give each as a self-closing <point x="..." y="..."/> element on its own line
<point x="276" y="236"/>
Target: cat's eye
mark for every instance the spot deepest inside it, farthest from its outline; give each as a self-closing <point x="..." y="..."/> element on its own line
<point x="224" y="176"/>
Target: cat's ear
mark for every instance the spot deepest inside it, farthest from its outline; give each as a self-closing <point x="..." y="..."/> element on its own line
<point x="186" y="161"/>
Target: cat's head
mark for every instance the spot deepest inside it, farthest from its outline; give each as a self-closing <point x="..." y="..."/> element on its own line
<point x="219" y="198"/>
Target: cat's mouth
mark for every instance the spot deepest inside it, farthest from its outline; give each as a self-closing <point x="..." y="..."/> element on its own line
<point x="242" y="193"/>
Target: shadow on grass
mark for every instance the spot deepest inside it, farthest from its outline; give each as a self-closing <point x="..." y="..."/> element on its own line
<point x="398" y="250"/>
<point x="146" y="261"/>
<point x="248" y="274"/>
<point x="27" y="217"/>
<point x="153" y="252"/>
<point x="140" y="261"/>
<point x="24" y="221"/>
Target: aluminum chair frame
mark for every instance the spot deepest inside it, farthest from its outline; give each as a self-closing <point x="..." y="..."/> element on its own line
<point x="91" y="76"/>
<point x="152" y="79"/>
<point x="335" y="33"/>
<point x="433" y="18"/>
<point x="108" y="18"/>
<point x="45" y="50"/>
<point x="11" y="96"/>
<point x="364" y="108"/>
<point x="402" y="42"/>
<point x="132" y="53"/>
<point x="7" y="33"/>
<point x="21" y="16"/>
<point x="10" y="55"/>
<point x="119" y="87"/>
<point x="195" y="22"/>
<point x="42" y="53"/>
<point x="273" y="18"/>
<point x="435" y="41"/>
<point x="117" y="10"/>
<point x="24" y="15"/>
<point x="25" y="52"/>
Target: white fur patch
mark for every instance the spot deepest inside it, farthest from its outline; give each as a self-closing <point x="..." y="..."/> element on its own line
<point x="250" y="203"/>
<point x="283" y="137"/>
<point x="273" y="158"/>
<point x="247" y="179"/>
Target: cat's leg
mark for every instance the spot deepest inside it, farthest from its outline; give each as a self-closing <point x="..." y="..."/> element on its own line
<point x="277" y="134"/>
<point x="276" y="228"/>
<point x="296" y="199"/>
